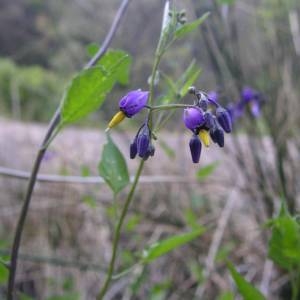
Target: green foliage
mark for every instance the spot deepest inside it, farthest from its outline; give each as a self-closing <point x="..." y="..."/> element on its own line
<point x="90" y="201"/>
<point x="227" y="295"/>
<point x="3" y="273"/>
<point x="159" y="290"/>
<point x="176" y="90"/>
<point x="132" y="222"/>
<point x="191" y="218"/>
<point x="247" y="290"/>
<point x="163" y="247"/>
<point x="112" y="167"/>
<point x="206" y="171"/>
<point x="25" y="297"/>
<point x="284" y="244"/>
<point x="88" y="90"/>
<point x="29" y="92"/>
<point x="189" y="27"/>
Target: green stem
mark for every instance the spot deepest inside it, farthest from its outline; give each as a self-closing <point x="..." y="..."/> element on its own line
<point x="171" y="106"/>
<point x="118" y="232"/>
<point x="294" y="276"/>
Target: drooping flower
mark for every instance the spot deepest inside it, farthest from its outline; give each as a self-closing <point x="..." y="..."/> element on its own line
<point x="193" y="118"/>
<point x="130" y="105"/>
<point x="217" y="135"/>
<point x="195" y="148"/>
<point x="133" y="102"/>
<point x="213" y="97"/>
<point x="224" y="119"/>
<point x="251" y="98"/>
<point x="141" y="144"/>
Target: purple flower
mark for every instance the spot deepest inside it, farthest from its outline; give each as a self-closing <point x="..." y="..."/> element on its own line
<point x="142" y="143"/>
<point x="195" y="147"/>
<point x="255" y="107"/>
<point x="133" y="102"/>
<point x="217" y="135"/>
<point x="193" y="118"/>
<point x="248" y="94"/>
<point x="213" y="97"/>
<point x="224" y="119"/>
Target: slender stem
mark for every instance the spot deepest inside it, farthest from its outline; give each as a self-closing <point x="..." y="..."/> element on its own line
<point x="24" y="211"/>
<point x="171" y="106"/>
<point x="118" y="232"/>
<point x="33" y="176"/>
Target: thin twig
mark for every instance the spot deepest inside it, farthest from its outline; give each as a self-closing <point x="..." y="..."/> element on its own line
<point x="52" y="126"/>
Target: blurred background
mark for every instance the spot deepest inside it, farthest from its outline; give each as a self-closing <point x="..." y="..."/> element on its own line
<point x="253" y="44"/>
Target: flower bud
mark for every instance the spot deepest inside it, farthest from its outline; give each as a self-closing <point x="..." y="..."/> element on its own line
<point x="217" y="135"/>
<point x="195" y="147"/>
<point x="133" y="149"/>
<point x="193" y="118"/>
<point x="133" y="102"/>
<point x="224" y="119"/>
<point x="143" y="141"/>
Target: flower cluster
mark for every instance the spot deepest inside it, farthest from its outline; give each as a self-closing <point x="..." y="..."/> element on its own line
<point x="205" y="124"/>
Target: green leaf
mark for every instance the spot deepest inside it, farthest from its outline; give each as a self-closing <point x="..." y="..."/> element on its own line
<point x="3" y="273"/>
<point x="189" y="27"/>
<point x="247" y="290"/>
<point x="88" y="90"/>
<point x="206" y="171"/>
<point x="227" y="295"/>
<point x="189" y="82"/>
<point x="177" y="90"/>
<point x="162" y="247"/>
<point x="191" y="218"/>
<point x="112" y="167"/>
<point x="284" y="244"/>
<point x="109" y="60"/>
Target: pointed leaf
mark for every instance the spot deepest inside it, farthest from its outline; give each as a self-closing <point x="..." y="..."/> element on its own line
<point x="247" y="290"/>
<point x="284" y="244"/>
<point x="112" y="167"/>
<point x="189" y="27"/>
<point x="207" y="170"/>
<point x="162" y="247"/>
<point x="88" y="90"/>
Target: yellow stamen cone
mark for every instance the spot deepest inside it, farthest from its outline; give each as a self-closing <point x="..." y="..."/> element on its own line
<point x="117" y="118"/>
<point x="204" y="137"/>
